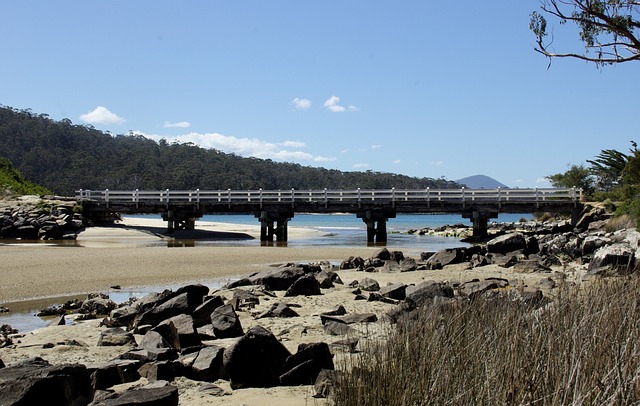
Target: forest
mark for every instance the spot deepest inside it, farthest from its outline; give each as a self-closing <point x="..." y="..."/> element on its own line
<point x="64" y="157"/>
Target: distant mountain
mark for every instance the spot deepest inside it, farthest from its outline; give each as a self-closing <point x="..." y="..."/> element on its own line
<point x="481" y="182"/>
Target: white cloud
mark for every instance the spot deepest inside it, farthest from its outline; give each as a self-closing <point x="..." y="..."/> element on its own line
<point x="179" y="124"/>
<point x="376" y="146"/>
<point x="301" y="104"/>
<point x="360" y="166"/>
<point x="397" y="161"/>
<point x="437" y="163"/>
<point x="332" y="104"/>
<point x="253" y="147"/>
<point x="101" y="115"/>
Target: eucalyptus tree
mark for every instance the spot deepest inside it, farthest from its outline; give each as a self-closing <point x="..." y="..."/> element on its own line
<point x="609" y="29"/>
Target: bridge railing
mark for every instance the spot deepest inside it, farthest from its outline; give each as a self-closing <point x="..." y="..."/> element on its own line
<point x="326" y="196"/>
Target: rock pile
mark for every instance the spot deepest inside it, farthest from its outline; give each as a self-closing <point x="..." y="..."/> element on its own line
<point x="45" y="222"/>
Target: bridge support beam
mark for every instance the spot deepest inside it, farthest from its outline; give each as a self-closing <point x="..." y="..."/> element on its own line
<point x="180" y="220"/>
<point x="274" y="224"/>
<point x="480" y="220"/>
<point x="376" y="221"/>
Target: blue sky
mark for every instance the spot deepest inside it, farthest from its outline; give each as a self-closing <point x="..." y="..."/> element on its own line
<point x="421" y="88"/>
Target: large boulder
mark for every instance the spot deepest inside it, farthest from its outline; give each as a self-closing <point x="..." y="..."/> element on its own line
<point x="225" y="322"/>
<point x="426" y="291"/>
<point x="507" y="243"/>
<point x="185" y="330"/>
<point x="446" y="257"/>
<point x="306" y="285"/>
<point x="36" y="382"/>
<point x="255" y="360"/>
<point x="614" y="259"/>
<point x="115" y="337"/>
<point x="303" y="367"/>
<point x="149" y="395"/>
<point x="208" y="364"/>
<point x="172" y="307"/>
<point x="277" y="279"/>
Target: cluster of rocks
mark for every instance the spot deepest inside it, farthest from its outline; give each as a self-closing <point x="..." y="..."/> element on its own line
<point x="179" y="333"/>
<point x="44" y="222"/>
<point x="197" y="334"/>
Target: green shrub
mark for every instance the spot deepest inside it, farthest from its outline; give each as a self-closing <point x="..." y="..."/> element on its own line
<point x="13" y="183"/>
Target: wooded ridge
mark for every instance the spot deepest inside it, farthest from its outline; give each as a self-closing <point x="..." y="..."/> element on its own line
<point x="64" y="157"/>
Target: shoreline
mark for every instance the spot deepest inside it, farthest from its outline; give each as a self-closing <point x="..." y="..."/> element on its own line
<point x="128" y="255"/>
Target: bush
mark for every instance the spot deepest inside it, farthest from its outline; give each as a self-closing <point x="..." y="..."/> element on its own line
<point x="581" y="349"/>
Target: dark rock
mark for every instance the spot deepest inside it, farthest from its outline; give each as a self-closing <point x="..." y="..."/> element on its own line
<point x="185" y="329"/>
<point x="394" y="291"/>
<point x="277" y="279"/>
<point x="396" y="256"/>
<point x="158" y="371"/>
<point x="474" y="289"/>
<point x="143" y="396"/>
<point x="306" y="285"/>
<point x="530" y="266"/>
<point x="446" y="257"/>
<point x="368" y="284"/>
<point x="356" y="263"/>
<point x="338" y="328"/>
<point x="172" y="307"/>
<point x="303" y="367"/>
<point x="115" y="373"/>
<point x="279" y="310"/>
<point x="123" y="316"/>
<point x="169" y="334"/>
<point x="36" y="382"/>
<point x="339" y="310"/>
<point x="195" y="295"/>
<point x="408" y="265"/>
<point x="153" y="340"/>
<point x="225" y="322"/>
<point x="255" y="360"/>
<point x="325" y="279"/>
<point x="208" y="364"/>
<point x="426" y="291"/>
<point x="350" y="318"/>
<point x="382" y="254"/>
<point x="507" y="243"/>
<point x="98" y="306"/>
<point x="115" y="337"/>
<point x="243" y="298"/>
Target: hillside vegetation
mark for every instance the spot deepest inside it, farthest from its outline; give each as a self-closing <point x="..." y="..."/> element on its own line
<point x="65" y="157"/>
<point x="13" y="183"/>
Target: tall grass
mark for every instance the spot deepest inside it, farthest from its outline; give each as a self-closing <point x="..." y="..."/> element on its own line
<point x="584" y="348"/>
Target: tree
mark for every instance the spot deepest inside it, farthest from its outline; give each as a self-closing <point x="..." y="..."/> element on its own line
<point x="577" y="176"/>
<point x="609" y="29"/>
<point x="608" y="167"/>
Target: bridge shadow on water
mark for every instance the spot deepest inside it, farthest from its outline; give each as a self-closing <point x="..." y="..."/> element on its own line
<point x="188" y="238"/>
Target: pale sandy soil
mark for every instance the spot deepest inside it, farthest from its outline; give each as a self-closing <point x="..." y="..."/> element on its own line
<point x="120" y="255"/>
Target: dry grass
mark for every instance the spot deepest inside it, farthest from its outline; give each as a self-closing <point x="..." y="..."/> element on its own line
<point x="584" y="348"/>
<point x="620" y="223"/>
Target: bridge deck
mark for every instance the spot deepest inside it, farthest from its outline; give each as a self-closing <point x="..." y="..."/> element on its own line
<point x="332" y="201"/>
<point x="274" y="208"/>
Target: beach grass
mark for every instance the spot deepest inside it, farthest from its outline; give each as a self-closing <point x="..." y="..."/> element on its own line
<point x="583" y="348"/>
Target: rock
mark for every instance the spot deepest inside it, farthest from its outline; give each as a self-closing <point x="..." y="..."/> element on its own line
<point x="339" y="310"/>
<point x="172" y="307"/>
<point x="593" y="242"/>
<point x="153" y="340"/>
<point x="277" y="279"/>
<point x="202" y="314"/>
<point x="325" y="279"/>
<point x="446" y="257"/>
<point x="36" y="382"/>
<point x="382" y="254"/>
<point x="530" y="266"/>
<point x="195" y="295"/>
<point x="255" y="360"/>
<point x="356" y="263"/>
<point x="243" y="298"/>
<point x="507" y="243"/>
<point x="98" y="306"/>
<point x="185" y="329"/>
<point x="225" y="322"/>
<point x="615" y="259"/>
<point x="408" y="265"/>
<point x="123" y="316"/>
<point x="115" y="337"/>
<point x="303" y="367"/>
<point x="306" y="285"/>
<point x="279" y="310"/>
<point x="368" y="284"/>
<point x="158" y="371"/>
<point x="394" y="291"/>
<point x="476" y="288"/>
<point x="208" y="364"/>
<point x="350" y="318"/>
<point x="426" y="291"/>
<point x="144" y="396"/>
<point x="338" y="328"/>
<point x="115" y="373"/>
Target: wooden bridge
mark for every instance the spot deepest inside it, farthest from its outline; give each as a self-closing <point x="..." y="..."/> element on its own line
<point x="274" y="208"/>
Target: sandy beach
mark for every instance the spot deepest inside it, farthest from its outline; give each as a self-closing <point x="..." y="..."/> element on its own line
<point x="134" y="253"/>
<point x="129" y="254"/>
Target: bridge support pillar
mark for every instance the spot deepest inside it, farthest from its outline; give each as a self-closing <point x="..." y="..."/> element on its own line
<point x="274" y="224"/>
<point x="376" y="222"/>
<point x="480" y="220"/>
<point x="180" y="220"/>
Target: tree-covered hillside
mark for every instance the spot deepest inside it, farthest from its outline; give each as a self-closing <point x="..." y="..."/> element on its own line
<point x="13" y="183"/>
<point x="65" y="157"/>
